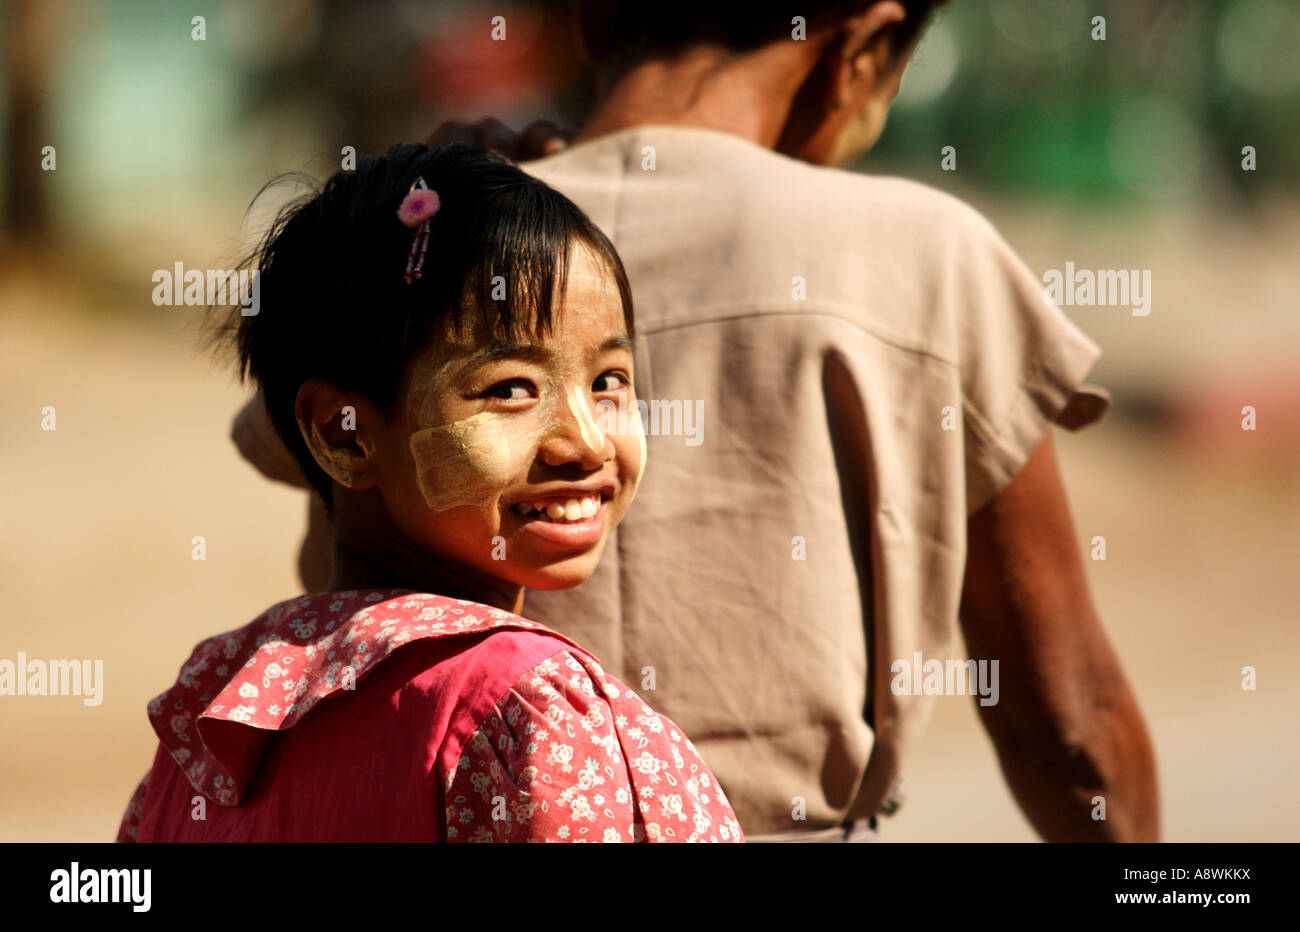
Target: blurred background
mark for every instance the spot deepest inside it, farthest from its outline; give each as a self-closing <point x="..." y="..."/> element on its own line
<point x="1117" y="154"/>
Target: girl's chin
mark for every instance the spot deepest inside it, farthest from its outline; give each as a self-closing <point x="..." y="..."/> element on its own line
<point x="546" y="565"/>
<point x="551" y="578"/>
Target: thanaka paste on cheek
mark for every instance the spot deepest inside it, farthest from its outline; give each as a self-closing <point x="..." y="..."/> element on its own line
<point x="472" y="462"/>
<point x="464" y="462"/>
<point x="637" y="428"/>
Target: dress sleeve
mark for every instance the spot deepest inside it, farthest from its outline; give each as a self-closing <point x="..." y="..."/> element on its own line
<point x="126" y="832"/>
<point x="571" y="755"/>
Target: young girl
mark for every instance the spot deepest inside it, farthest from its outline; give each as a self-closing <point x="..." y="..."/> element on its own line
<point x="436" y="333"/>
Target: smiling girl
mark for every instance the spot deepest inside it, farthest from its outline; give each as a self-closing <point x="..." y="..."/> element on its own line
<point x="437" y="332"/>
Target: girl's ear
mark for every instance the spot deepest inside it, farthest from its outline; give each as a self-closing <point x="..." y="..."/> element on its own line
<point x="341" y="431"/>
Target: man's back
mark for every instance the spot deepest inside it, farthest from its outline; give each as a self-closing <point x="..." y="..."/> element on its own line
<point x="840" y="369"/>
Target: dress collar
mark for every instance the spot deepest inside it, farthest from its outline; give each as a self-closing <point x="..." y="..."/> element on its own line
<point x="266" y="675"/>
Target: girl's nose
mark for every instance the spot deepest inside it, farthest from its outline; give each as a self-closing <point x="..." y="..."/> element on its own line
<point x="576" y="437"/>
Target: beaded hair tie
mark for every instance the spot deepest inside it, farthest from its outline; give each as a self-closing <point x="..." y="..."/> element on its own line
<point x="418" y="206"/>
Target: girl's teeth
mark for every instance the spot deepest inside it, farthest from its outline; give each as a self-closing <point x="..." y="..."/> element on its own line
<point x="574" y="509"/>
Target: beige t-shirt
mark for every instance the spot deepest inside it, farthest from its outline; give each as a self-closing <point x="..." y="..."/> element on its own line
<point x="865" y="363"/>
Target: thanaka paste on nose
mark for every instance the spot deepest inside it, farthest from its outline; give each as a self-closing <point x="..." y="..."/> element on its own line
<point x="591" y="434"/>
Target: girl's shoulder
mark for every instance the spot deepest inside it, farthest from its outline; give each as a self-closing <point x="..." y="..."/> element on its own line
<point x="268" y="674"/>
<point x="571" y="753"/>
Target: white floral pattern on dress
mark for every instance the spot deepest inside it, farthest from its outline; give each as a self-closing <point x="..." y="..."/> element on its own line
<point x="556" y="749"/>
<point x="551" y="763"/>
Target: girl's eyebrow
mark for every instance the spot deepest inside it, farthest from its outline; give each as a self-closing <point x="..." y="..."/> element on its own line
<point x="618" y="342"/>
<point x="496" y="350"/>
<point x="531" y="352"/>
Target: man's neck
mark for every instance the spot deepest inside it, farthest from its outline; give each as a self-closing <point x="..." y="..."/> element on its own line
<point x="748" y="96"/>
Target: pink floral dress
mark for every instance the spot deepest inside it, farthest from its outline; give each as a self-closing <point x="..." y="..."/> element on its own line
<point x="483" y="727"/>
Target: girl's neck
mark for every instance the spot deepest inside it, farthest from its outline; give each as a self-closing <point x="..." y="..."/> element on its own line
<point x="370" y="552"/>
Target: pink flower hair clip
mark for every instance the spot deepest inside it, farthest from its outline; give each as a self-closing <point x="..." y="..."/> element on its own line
<point x="418" y="206"/>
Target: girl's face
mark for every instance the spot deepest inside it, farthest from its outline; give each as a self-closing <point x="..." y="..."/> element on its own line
<point x="496" y="460"/>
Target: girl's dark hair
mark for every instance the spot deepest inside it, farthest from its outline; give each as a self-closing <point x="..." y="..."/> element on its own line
<point x="334" y="305"/>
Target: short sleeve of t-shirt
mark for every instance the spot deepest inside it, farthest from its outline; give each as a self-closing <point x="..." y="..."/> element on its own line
<point x="1022" y="361"/>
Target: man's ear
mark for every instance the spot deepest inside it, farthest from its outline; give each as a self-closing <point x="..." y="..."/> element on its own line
<point x="340" y="430"/>
<point x="865" y="50"/>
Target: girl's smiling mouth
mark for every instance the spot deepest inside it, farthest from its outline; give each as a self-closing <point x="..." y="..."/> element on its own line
<point x="570" y="517"/>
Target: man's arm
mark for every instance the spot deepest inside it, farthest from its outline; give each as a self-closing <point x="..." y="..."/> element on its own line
<point x="1066" y="727"/>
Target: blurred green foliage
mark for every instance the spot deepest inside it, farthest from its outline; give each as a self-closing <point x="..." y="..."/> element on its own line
<point x="1160" y="108"/>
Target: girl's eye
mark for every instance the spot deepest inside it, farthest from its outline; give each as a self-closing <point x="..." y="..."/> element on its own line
<point x="610" y="382"/>
<point x="512" y="390"/>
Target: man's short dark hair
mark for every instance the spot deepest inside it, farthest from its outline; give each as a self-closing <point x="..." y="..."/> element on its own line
<point x="620" y="33"/>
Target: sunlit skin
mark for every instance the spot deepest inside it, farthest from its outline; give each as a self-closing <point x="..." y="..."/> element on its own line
<point x="424" y="500"/>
